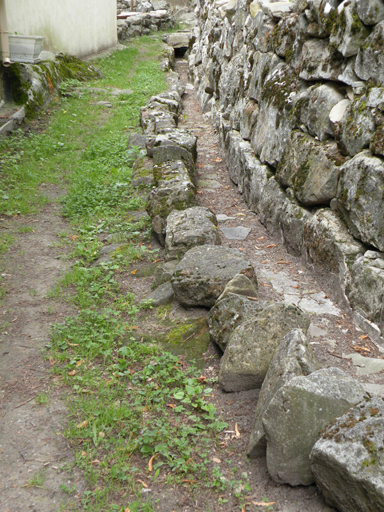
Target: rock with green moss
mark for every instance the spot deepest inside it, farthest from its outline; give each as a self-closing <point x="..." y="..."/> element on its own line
<point x="252" y="345"/>
<point x="360" y="197"/>
<point x="241" y="285"/>
<point x="178" y="137"/>
<point x="164" y="272"/>
<point x="320" y="61"/>
<point x="174" y="191"/>
<point x="292" y="221"/>
<point x="200" y="278"/>
<point x="264" y="26"/>
<point x="370" y="59"/>
<point x="347" y="461"/>
<point x="310" y="168"/>
<point x="295" y="416"/>
<point x="327" y="243"/>
<point x="161" y="296"/>
<point x="376" y="144"/>
<point x="156" y="119"/>
<point x="263" y="65"/>
<point x="189" y="228"/>
<point x="142" y="174"/>
<point x="348" y="31"/>
<point x="230" y="310"/>
<point x="370" y="12"/>
<point x="365" y="290"/>
<point x="293" y="358"/>
<point x="357" y="127"/>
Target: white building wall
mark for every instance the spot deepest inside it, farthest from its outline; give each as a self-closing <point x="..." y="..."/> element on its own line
<point x="77" y="27"/>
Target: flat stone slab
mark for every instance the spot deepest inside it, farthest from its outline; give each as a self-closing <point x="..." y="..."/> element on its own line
<point x="237" y="233"/>
<point x="221" y="217"/>
<point x="365" y="365"/>
<point x="201" y="276"/>
<point x="212" y="184"/>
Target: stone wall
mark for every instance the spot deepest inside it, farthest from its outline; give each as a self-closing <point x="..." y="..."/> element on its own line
<point x="296" y="92"/>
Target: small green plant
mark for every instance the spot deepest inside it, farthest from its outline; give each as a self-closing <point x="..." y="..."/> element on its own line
<point x="42" y="398"/>
<point x="37" y="480"/>
<point x="25" y="229"/>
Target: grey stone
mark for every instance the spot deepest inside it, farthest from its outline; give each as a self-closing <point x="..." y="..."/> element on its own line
<point x="136" y="139"/>
<point x="357" y="127"/>
<point x="253" y="343"/>
<point x="189" y="228"/>
<point x="201" y="276"/>
<point x="366" y="287"/>
<point x="180" y="138"/>
<point x="162" y="296"/>
<point x="292" y="221"/>
<point x="320" y="103"/>
<point x="370" y="12"/>
<point x="319" y="61"/>
<point x="310" y="168"/>
<point x="347" y="460"/>
<point x="237" y="233"/>
<point x="164" y="272"/>
<point x="178" y="39"/>
<point x="157" y="119"/>
<point x="370" y="59"/>
<point x="174" y="191"/>
<point x="365" y="365"/>
<point x="172" y="152"/>
<point x="105" y="254"/>
<point x="328" y="243"/>
<point x="271" y="206"/>
<point x="293" y="358"/>
<point x="230" y="310"/>
<point x="349" y="32"/>
<point x="360" y="198"/>
<point x="222" y="217"/>
<point x="241" y="285"/>
<point x="142" y="172"/>
<point x="296" y="415"/>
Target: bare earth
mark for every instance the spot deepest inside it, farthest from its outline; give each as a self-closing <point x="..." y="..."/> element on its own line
<point x="31" y="436"/>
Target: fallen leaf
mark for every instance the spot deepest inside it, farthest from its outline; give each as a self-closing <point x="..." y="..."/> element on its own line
<point x="134" y="271"/>
<point x="282" y="263"/>
<point x="172" y="406"/>
<point x="143" y="484"/>
<point x="199" y="191"/>
<point x="223" y="445"/>
<point x="270" y="245"/>
<point x="189" y="460"/>
<point x="241" y="249"/>
<point x="79" y="363"/>
<point x="360" y="349"/>
<point x="73" y="344"/>
<point x="237" y="431"/>
<point x="226" y="188"/>
<point x="215" y="459"/>
<point x="72" y="373"/>
<point x="202" y="378"/>
<point x="245" y="505"/>
<point x="266" y="285"/>
<point x="257" y="248"/>
<point x="96" y="461"/>
<point x="218" y="160"/>
<point x="261" y="238"/>
<point x="157" y="261"/>
<point x="127" y="510"/>
<point x="266" y="261"/>
<point x="189" y="481"/>
<point x="83" y="424"/>
<point x="83" y="454"/>
<point x="364" y="337"/>
<point x="150" y="463"/>
<point x="252" y="298"/>
<point x="74" y="237"/>
<point x="263" y="503"/>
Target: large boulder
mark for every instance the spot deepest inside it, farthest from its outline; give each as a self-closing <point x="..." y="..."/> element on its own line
<point x="310" y="168"/>
<point x="189" y="228"/>
<point x="293" y="358"/>
<point x="253" y="343"/>
<point x="347" y="461"/>
<point x="366" y="288"/>
<point x="360" y="197"/>
<point x="201" y="276"/>
<point x="295" y="416"/>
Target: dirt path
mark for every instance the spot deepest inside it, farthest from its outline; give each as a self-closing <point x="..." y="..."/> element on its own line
<point x="32" y="446"/>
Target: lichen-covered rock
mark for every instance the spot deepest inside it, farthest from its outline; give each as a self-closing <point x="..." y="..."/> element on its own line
<point x="328" y="243"/>
<point x="181" y="138"/>
<point x="189" y="228"/>
<point x="142" y="172"/>
<point x="271" y="206"/>
<point x="264" y="26"/>
<point x="320" y="61"/>
<point x="347" y="461"/>
<point x="357" y="127"/>
<point x="376" y="144"/>
<point x="366" y="288"/>
<point x="316" y="114"/>
<point x="172" y="152"/>
<point x="348" y="31"/>
<point x="370" y="11"/>
<point x="295" y="416"/>
<point x="241" y="285"/>
<point x="370" y="59"/>
<point x="156" y="119"/>
<point x="174" y="191"/>
<point x="253" y="343"/>
<point x="293" y="358"/>
<point x="200" y="277"/>
<point x="230" y="310"/>
<point x="360" y="198"/>
<point x="292" y="222"/>
<point x="310" y="168"/>
<point x="161" y="296"/>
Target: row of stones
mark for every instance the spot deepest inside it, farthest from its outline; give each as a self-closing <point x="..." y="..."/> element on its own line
<point x="263" y="343"/>
<point x="143" y="23"/>
<point x="296" y="120"/>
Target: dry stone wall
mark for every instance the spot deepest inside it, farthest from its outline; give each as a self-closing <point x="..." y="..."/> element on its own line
<point x="296" y="92"/>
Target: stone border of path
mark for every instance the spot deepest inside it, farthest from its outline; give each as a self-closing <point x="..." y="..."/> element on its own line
<point x="264" y="343"/>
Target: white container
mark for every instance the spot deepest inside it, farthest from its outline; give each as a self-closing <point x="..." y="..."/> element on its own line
<point x="25" y="48"/>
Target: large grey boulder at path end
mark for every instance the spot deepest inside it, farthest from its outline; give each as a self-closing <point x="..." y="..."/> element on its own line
<point x="296" y="415"/>
<point x="201" y="276"/>
<point x="293" y="358"/>
<point x="348" y="460"/>
<point x="189" y="228"/>
<point x="253" y="343"/>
